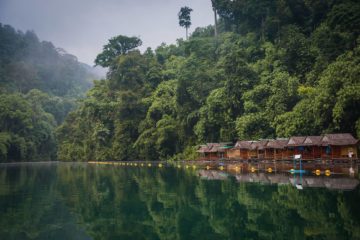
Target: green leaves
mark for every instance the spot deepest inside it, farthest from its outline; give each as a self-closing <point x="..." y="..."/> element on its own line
<point x="117" y="46"/>
<point x="26" y="130"/>
<point x="5" y="139"/>
<point x="184" y="18"/>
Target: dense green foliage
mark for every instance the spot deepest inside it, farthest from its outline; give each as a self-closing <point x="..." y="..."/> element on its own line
<point x="39" y="85"/>
<point x="277" y="68"/>
<point x="74" y="201"/>
<point x="116" y="46"/>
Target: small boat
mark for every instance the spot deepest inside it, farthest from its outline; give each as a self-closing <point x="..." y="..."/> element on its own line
<point x="297" y="171"/>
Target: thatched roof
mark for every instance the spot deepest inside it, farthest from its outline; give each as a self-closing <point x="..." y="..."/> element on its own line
<point x="203" y="149"/>
<point x="277" y="144"/>
<point x="313" y="141"/>
<point x="339" y="139"/>
<point x="259" y="145"/>
<point x="216" y="147"/>
<point x="243" y="144"/>
<point x="213" y="147"/>
<point x="296" y="141"/>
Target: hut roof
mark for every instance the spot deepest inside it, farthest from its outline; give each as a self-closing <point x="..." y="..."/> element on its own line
<point x="313" y="141"/>
<point x="243" y="144"/>
<point x="203" y="149"/>
<point x="213" y="147"/>
<point x="217" y="147"/>
<point x="339" y="139"/>
<point x="259" y="145"/>
<point x="296" y="141"/>
<point x="278" y="143"/>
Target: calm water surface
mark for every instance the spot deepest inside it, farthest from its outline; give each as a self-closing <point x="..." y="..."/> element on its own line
<point x="82" y="201"/>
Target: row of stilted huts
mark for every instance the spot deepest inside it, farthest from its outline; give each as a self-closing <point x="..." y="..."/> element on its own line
<point x="328" y="146"/>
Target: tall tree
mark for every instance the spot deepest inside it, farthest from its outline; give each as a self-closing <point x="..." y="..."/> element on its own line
<point x="184" y="18"/>
<point x="117" y="46"/>
<point x="215" y="18"/>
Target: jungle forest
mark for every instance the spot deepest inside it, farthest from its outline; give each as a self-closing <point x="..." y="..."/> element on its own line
<point x="264" y="69"/>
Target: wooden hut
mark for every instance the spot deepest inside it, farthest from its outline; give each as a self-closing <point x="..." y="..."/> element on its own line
<point x="337" y="146"/>
<point x="227" y="147"/>
<point x="294" y="146"/>
<point x="221" y="149"/>
<point x="213" y="151"/>
<point x="276" y="149"/>
<point x="204" y="152"/>
<point x="312" y="146"/>
<point x="240" y="150"/>
<point x="233" y="153"/>
<point x="258" y="149"/>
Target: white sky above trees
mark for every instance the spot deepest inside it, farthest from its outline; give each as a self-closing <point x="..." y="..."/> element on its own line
<point x="82" y="27"/>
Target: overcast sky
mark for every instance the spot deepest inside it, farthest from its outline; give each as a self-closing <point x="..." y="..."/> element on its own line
<point x="82" y="27"/>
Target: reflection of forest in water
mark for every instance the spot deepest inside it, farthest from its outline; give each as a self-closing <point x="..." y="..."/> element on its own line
<point x="79" y="201"/>
<point x="334" y="183"/>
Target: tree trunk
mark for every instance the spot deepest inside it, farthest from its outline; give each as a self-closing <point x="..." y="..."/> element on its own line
<point x="215" y="18"/>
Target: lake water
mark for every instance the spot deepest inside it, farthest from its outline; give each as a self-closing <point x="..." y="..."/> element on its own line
<point x="88" y="201"/>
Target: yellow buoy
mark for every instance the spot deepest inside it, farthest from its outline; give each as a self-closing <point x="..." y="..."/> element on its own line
<point x="187" y="166"/>
<point x="131" y="164"/>
<point x="317" y="172"/>
<point x="160" y="165"/>
<point x="253" y="169"/>
<point x="179" y="166"/>
<point x="327" y="172"/>
<point x="142" y="164"/>
<point x="221" y="168"/>
<point x="269" y="170"/>
<point x="135" y="164"/>
<point x="207" y="167"/>
<point x="127" y="164"/>
<point x="193" y="166"/>
<point x="149" y="165"/>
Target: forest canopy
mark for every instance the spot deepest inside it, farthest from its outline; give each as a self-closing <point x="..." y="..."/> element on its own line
<point x="276" y="69"/>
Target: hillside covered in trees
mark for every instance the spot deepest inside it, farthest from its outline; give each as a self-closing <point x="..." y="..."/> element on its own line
<point x="270" y="69"/>
<point x="39" y="85"/>
<point x="276" y="68"/>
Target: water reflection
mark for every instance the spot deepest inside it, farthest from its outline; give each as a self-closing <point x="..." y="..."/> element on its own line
<point x="338" y="183"/>
<point x="79" y="201"/>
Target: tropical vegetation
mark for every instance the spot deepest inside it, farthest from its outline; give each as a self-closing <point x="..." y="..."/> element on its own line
<point x="274" y="69"/>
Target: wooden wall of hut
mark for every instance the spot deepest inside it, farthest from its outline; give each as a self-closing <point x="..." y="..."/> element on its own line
<point x="244" y="154"/>
<point x="233" y="153"/>
<point x="261" y="154"/>
<point x="338" y="152"/>
<point x="253" y="154"/>
<point x="278" y="154"/>
<point x="269" y="153"/>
